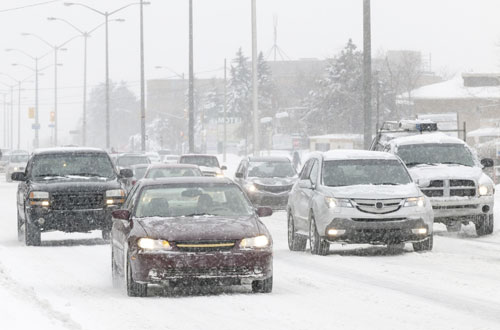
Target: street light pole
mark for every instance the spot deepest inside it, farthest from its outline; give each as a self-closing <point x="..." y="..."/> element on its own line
<point x="143" y="101"/>
<point x="255" y="84"/>
<point x="367" y="75"/>
<point x="191" y="81"/>
<point x="225" y="111"/>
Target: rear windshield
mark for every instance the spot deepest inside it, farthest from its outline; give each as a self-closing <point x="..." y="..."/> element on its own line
<point x="207" y="161"/>
<point x="72" y="164"/>
<point x="169" y="172"/>
<point x="364" y="171"/>
<point x="124" y="161"/>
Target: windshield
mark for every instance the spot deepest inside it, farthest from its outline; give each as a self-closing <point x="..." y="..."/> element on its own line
<point x="156" y="173"/>
<point x="191" y="200"/>
<point x="364" y="171"/>
<point x="72" y="164"/>
<point x="19" y="158"/>
<point x="207" y="161"/>
<point x="125" y="161"/>
<point x="271" y="170"/>
<point x="416" y="154"/>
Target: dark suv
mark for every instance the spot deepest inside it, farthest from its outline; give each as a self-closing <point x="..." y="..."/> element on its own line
<point x="67" y="189"/>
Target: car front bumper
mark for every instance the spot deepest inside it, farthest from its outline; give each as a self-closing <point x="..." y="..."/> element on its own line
<point x="239" y="267"/>
<point x="71" y="220"/>
<point x="464" y="209"/>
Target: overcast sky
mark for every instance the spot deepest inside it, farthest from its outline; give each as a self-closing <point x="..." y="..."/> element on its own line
<point x="459" y="35"/>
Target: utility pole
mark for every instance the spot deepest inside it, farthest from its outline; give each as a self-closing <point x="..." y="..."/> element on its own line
<point x="19" y="115"/>
<point x="11" y="117"/>
<point x="55" y="96"/>
<point x="367" y="75"/>
<point x="37" y="122"/>
<point x="225" y="111"/>
<point x="191" y="81"/>
<point x="108" y="138"/>
<point x="255" y="87"/>
<point x="143" y="101"/>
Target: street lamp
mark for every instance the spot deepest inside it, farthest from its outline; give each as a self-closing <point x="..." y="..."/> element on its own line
<point x="85" y="35"/>
<point x="106" y="15"/>
<point x="36" y="127"/>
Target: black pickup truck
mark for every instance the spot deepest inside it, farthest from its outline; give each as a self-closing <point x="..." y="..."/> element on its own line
<point x="68" y="189"/>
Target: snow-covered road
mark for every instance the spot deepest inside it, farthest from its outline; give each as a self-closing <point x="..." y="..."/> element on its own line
<point x="66" y="284"/>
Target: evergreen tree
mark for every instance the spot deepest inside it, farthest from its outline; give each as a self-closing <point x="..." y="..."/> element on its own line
<point x="267" y="107"/>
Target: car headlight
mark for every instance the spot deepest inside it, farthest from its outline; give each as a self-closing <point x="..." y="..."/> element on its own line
<point x="39" y="198"/>
<point x="335" y="203"/>
<point x="115" y="196"/>
<point x="251" y="187"/>
<point x="258" y="242"/>
<point x="153" y="244"/>
<point x="485" y="190"/>
<point x="415" y="201"/>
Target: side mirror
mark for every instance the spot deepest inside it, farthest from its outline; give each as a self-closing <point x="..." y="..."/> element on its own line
<point x="264" y="211"/>
<point x="305" y="184"/>
<point x="126" y="173"/>
<point x="223" y="167"/>
<point x="423" y="183"/>
<point x="238" y="175"/>
<point x="18" y="176"/>
<point x="487" y="162"/>
<point x="121" y="214"/>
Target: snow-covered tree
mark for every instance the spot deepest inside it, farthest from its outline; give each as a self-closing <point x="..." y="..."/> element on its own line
<point x="266" y="90"/>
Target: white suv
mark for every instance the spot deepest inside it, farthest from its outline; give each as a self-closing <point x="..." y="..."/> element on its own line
<point x="451" y="175"/>
<point x="354" y="196"/>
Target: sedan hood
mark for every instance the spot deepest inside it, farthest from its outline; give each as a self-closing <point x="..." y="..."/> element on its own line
<point x="374" y="191"/>
<point x="200" y="228"/>
<point x="445" y="171"/>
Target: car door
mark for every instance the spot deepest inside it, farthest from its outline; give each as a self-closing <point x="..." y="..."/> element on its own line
<point x="121" y="229"/>
<point x="301" y="196"/>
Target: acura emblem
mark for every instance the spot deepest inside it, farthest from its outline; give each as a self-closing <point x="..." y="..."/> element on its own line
<point x="379" y="205"/>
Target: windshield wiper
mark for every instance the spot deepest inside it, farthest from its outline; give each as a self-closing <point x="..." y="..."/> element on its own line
<point x="197" y="214"/>
<point x="455" y="163"/>
<point x="386" y="184"/>
<point x="86" y="174"/>
<point x="50" y="176"/>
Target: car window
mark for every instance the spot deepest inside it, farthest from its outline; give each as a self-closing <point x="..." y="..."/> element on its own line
<point x="124" y="161"/>
<point x="313" y="176"/>
<point x="304" y="174"/>
<point x="72" y="164"/>
<point x="271" y="169"/>
<point x="439" y="153"/>
<point x="156" y="173"/>
<point x="208" y="161"/>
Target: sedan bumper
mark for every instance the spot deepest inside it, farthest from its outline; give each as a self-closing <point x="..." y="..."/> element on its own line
<point x="241" y="267"/>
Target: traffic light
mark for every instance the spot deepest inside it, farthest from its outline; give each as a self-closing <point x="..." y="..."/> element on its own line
<point x="52" y="116"/>
<point x="31" y="113"/>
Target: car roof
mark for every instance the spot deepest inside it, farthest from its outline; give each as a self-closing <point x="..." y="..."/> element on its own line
<point x="269" y="159"/>
<point x="174" y="166"/>
<point x="343" y="154"/>
<point x="198" y="155"/>
<point x="65" y="150"/>
<point x="427" y="138"/>
<point x="185" y="179"/>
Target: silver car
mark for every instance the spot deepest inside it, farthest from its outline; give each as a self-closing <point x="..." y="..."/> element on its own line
<point x="354" y="196"/>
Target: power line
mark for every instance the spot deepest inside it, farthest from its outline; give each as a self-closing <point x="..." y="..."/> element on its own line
<point x="29" y="6"/>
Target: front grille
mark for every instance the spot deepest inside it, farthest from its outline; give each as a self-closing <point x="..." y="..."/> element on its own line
<point x="209" y="174"/>
<point x="451" y="188"/>
<point x="273" y="189"/>
<point x="205" y="246"/>
<point x="208" y="272"/>
<point x="77" y="201"/>
<point x="379" y="235"/>
<point x="377" y="220"/>
<point x="378" y="206"/>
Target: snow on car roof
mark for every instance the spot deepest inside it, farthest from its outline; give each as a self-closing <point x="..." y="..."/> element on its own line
<point x="426" y="138"/>
<point x="68" y="150"/>
<point x="356" y="154"/>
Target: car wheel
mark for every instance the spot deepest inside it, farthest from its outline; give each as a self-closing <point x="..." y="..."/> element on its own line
<point x="263" y="286"/>
<point x="295" y="242"/>
<point x="454" y="227"/>
<point x="134" y="289"/>
<point x="425" y="245"/>
<point x="317" y="244"/>
<point x="485" y="227"/>
<point x="20" y="233"/>
<point x="106" y="234"/>
<point x="32" y="234"/>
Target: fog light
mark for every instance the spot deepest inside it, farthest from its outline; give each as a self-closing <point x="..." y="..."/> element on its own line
<point x="110" y="202"/>
<point x="486" y="209"/>
<point x="335" y="232"/>
<point x="419" y="231"/>
<point x="45" y="203"/>
<point x="41" y="221"/>
<point x="257" y="270"/>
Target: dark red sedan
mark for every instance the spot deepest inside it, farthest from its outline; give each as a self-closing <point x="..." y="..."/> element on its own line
<point x="192" y="229"/>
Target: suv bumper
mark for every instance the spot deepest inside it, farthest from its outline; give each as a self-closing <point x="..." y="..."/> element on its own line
<point x="70" y="220"/>
<point x="464" y="209"/>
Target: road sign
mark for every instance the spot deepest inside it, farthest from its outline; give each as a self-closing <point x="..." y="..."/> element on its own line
<point x="31" y="113"/>
<point x="35" y="126"/>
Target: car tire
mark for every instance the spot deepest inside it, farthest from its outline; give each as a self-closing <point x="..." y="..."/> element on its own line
<point x="425" y="245"/>
<point x="20" y="232"/>
<point x="486" y="226"/>
<point x="134" y="289"/>
<point x="106" y="234"/>
<point x="317" y="244"/>
<point x="295" y="242"/>
<point x="454" y="227"/>
<point x="32" y="234"/>
<point x="263" y="286"/>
